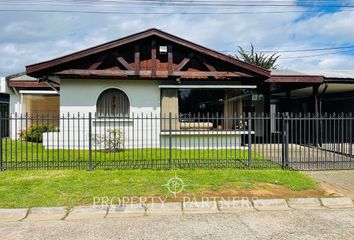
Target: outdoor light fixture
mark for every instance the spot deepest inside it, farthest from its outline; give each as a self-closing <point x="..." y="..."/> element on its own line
<point x="163" y="49"/>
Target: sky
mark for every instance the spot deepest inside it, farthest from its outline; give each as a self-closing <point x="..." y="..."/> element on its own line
<point x="35" y="31"/>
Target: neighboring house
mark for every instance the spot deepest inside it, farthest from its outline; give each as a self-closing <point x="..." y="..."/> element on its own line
<point x="30" y="96"/>
<point x="158" y="74"/>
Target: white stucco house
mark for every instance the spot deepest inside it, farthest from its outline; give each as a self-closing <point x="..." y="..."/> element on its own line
<point x="151" y="74"/>
<point x="137" y="82"/>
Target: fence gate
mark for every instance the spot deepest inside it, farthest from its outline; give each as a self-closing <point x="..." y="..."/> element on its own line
<point x="307" y="142"/>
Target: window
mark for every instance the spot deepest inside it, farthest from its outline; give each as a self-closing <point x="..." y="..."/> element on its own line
<point x="201" y="101"/>
<point x="218" y="107"/>
<point x="113" y="103"/>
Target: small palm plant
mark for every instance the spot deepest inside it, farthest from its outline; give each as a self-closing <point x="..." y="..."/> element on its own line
<point x="258" y="59"/>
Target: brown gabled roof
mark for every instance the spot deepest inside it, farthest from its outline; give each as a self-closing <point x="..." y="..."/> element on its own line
<point x="29" y="84"/>
<point x="35" y="68"/>
<point x="21" y="80"/>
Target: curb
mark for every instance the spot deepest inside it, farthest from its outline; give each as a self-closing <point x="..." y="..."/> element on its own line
<point x="164" y="208"/>
<point x="304" y="203"/>
<point x="270" y="204"/>
<point x="172" y="208"/>
<point x="86" y="212"/>
<point x="200" y="207"/>
<point x="236" y="206"/>
<point x="13" y="214"/>
<point x="341" y="202"/>
<point x="46" y="213"/>
<point x="128" y="210"/>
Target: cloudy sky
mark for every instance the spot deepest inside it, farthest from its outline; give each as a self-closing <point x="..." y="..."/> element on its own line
<point x="34" y="31"/>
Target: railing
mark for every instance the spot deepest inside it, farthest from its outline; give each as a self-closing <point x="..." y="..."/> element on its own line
<point x="252" y="141"/>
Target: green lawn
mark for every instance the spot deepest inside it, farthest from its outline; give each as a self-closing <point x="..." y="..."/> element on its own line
<point x="78" y="187"/>
<point x="15" y="157"/>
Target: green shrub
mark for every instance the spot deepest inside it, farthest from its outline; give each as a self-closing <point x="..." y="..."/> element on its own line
<point x="112" y="140"/>
<point x="35" y="132"/>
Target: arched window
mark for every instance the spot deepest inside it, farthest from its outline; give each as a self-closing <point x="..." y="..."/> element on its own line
<point x="113" y="103"/>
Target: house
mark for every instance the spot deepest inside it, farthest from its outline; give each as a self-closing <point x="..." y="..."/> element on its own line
<point x="154" y="73"/>
<point x="31" y="96"/>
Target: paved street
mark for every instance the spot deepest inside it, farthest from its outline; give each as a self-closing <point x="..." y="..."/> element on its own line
<point x="291" y="224"/>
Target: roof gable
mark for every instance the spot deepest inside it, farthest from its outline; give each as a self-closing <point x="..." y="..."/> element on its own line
<point x="119" y="58"/>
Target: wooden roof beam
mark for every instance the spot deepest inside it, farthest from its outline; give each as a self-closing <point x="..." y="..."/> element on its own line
<point x="137" y="60"/>
<point x="184" y="62"/>
<point x="153" y="58"/>
<point x="99" y="61"/>
<point x="170" y="59"/>
<point x="147" y="74"/>
<point x="51" y="86"/>
<point x="122" y="61"/>
<point x="205" y="62"/>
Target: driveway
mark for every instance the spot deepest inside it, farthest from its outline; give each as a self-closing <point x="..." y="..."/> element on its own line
<point x="341" y="181"/>
<point x="307" y="158"/>
<point x="291" y="224"/>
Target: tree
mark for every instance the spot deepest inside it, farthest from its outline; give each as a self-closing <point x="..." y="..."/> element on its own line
<point x="259" y="59"/>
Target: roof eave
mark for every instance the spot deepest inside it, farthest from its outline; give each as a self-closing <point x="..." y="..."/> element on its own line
<point x="295" y="79"/>
<point x="32" y="69"/>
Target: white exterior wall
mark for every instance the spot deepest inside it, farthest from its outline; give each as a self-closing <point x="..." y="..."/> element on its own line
<point x="203" y="139"/>
<point x="80" y="96"/>
<point x="3" y="84"/>
<point x="15" y="111"/>
<point x="14" y="99"/>
<point x="14" y="107"/>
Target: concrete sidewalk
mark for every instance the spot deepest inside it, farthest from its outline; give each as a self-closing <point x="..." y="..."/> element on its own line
<point x="323" y="223"/>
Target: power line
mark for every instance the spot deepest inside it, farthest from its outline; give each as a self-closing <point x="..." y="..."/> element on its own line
<point x="295" y="50"/>
<point x="312" y="3"/>
<point x="317" y="55"/>
<point x="311" y="50"/>
<point x="185" y="3"/>
<point x="160" y="13"/>
<point x="196" y="7"/>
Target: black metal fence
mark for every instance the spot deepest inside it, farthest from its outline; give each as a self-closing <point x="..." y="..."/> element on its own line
<point x="252" y="141"/>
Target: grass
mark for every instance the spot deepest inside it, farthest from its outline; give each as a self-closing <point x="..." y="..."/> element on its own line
<point x="78" y="187"/>
<point x="27" y="155"/>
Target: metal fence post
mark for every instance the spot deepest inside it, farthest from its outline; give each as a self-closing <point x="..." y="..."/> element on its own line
<point x="249" y="139"/>
<point x="350" y="137"/>
<point x="0" y="141"/>
<point x="90" y="143"/>
<point x="170" y="138"/>
<point x="285" y="142"/>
